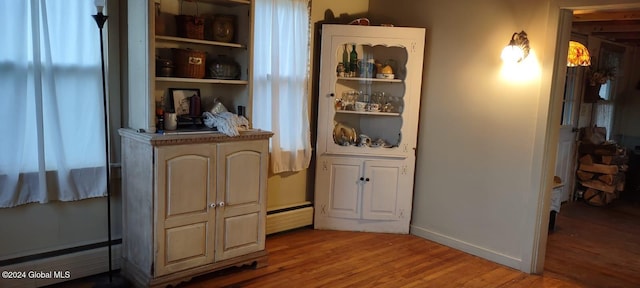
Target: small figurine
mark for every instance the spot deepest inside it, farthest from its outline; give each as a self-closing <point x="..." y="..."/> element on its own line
<point x="340" y="70"/>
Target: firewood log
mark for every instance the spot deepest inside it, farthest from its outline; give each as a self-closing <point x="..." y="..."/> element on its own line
<point x="583" y="175"/>
<point x="586" y="159"/>
<point x="609" y="179"/>
<point x="593" y="197"/>
<point x="599" y="185"/>
<point x="599" y="168"/>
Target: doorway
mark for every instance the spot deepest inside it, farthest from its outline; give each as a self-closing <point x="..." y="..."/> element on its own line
<point x="582" y="5"/>
<point x="568" y="132"/>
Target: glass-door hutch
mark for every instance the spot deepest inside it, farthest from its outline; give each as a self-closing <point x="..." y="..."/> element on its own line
<point x="369" y="98"/>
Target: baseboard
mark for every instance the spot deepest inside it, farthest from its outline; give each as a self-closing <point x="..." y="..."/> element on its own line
<point x="288" y="219"/>
<point x="48" y="271"/>
<point x="467" y="247"/>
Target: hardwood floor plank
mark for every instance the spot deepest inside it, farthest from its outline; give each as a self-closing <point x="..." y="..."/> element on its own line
<point x="590" y="247"/>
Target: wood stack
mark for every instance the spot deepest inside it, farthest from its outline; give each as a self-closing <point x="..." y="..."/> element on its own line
<point x="601" y="172"/>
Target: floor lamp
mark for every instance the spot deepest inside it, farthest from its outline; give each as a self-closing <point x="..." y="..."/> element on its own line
<point x="100" y="20"/>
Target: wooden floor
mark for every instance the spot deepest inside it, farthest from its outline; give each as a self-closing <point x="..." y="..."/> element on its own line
<point x="596" y="246"/>
<point x="312" y="258"/>
<point x="591" y="247"/>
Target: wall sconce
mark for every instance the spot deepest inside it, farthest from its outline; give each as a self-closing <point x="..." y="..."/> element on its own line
<point x="518" y="48"/>
<point x="578" y="55"/>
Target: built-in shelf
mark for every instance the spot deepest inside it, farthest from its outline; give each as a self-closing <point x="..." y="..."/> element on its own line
<point x="370" y="79"/>
<point x="160" y="38"/>
<point x="205" y="80"/>
<point x="368" y="113"/>
<point x="227" y="2"/>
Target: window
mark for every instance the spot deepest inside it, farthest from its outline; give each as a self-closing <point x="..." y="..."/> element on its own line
<point x="281" y="76"/>
<point x="611" y="59"/>
<point x="605" y="109"/>
<point x="52" y="143"/>
<point x="569" y="96"/>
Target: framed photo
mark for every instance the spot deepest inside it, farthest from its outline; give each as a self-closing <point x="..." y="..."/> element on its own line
<point x="180" y="99"/>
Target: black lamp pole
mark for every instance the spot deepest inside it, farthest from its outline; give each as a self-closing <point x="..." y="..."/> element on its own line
<point x="100" y="20"/>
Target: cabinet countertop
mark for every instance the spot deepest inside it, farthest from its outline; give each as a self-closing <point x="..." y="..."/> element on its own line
<point x="178" y="138"/>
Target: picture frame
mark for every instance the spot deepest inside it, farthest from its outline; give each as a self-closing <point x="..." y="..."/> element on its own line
<point x="180" y="99"/>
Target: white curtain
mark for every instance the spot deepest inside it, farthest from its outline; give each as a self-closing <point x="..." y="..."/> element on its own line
<point x="605" y="109"/>
<point x="604" y="116"/>
<point x="52" y="136"/>
<point x="281" y="76"/>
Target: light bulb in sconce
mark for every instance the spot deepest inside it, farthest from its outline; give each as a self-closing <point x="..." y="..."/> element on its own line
<point x="512" y="54"/>
<point x="518" y="48"/>
<point x="99" y="5"/>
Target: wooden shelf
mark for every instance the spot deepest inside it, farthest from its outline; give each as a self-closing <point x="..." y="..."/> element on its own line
<point x="368" y="113"/>
<point x="160" y="38"/>
<point x="204" y="80"/>
<point x="370" y="79"/>
<point x="227" y="2"/>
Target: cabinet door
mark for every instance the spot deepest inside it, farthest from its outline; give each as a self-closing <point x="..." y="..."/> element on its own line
<point x="241" y="212"/>
<point x="185" y="186"/>
<point x="380" y="197"/>
<point x="338" y="187"/>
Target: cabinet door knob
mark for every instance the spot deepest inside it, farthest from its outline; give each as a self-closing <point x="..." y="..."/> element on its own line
<point x="212" y="205"/>
<point x="332" y="94"/>
<point x="367" y="179"/>
<point x="221" y="204"/>
<point x="361" y="178"/>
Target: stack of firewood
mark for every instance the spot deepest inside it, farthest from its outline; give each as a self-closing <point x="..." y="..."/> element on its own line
<point x="601" y="172"/>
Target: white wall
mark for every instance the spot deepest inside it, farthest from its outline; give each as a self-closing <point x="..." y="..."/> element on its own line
<point x="627" y="118"/>
<point x="487" y="142"/>
<point x="37" y="228"/>
<point x="631" y="102"/>
<point x="476" y="175"/>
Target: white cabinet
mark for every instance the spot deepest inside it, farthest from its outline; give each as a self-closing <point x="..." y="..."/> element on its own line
<point x="367" y="127"/>
<point x="192" y="204"/>
<point x="363" y="195"/>
<point x="374" y="183"/>
<point x="146" y="86"/>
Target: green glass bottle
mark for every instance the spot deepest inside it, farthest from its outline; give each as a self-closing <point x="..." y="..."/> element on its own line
<point x="345" y="60"/>
<point x="353" y="63"/>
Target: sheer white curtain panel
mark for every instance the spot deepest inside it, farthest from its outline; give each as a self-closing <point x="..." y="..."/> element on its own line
<point x="52" y="143"/>
<point x="281" y="76"/>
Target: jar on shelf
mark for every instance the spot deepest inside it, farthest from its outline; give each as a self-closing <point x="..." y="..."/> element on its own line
<point x="224" y="68"/>
<point x="224" y="28"/>
<point x="164" y="67"/>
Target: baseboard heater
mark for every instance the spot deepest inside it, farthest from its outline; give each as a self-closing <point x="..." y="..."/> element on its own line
<point x="289" y="217"/>
<point x="61" y="268"/>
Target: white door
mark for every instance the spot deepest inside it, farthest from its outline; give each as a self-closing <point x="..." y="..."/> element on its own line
<point x="342" y="179"/>
<point x="185" y="232"/>
<point x="380" y="190"/>
<point x="242" y="183"/>
<point x="567" y="139"/>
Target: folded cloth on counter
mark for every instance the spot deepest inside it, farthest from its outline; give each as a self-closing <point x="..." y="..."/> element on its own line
<point x="226" y="122"/>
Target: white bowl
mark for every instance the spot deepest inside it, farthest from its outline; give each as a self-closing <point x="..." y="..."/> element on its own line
<point x="385" y="76"/>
